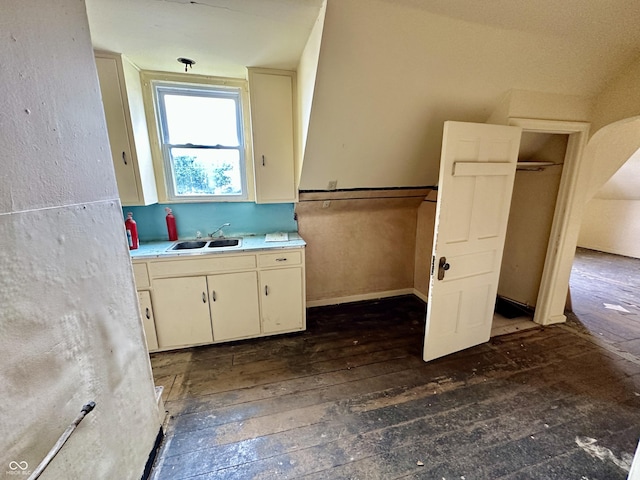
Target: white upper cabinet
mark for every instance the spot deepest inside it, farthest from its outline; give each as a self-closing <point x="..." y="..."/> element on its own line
<point x="273" y="131"/>
<point x="128" y="135"/>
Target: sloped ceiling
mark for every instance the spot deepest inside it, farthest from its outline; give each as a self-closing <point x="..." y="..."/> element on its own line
<point x="390" y="72"/>
<point x="623" y="185"/>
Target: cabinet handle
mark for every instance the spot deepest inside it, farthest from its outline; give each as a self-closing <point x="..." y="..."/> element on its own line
<point x="266" y="290"/>
<point x="147" y="313"/>
<point x="204" y="297"/>
<point x="124" y="158"/>
<point x="213" y="295"/>
<point x="281" y="259"/>
<point x="263" y="160"/>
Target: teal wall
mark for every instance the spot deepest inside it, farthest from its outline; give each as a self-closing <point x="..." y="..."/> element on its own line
<point x="246" y="218"/>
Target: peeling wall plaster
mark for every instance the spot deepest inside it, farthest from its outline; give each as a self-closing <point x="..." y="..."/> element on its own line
<point x="70" y="330"/>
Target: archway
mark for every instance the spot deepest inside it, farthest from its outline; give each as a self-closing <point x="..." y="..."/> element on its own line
<point x="611" y="220"/>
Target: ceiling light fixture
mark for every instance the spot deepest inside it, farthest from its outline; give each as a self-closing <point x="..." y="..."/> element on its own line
<point x="187" y="62"/>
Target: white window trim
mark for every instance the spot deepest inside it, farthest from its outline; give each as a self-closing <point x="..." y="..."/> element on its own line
<point x="163" y="179"/>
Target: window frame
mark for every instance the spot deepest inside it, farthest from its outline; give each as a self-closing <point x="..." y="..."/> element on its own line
<point x="159" y="88"/>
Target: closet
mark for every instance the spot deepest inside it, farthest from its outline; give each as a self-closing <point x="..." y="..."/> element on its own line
<point x="535" y="192"/>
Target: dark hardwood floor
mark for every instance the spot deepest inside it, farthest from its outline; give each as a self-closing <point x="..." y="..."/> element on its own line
<point x="351" y="398"/>
<point x="598" y="281"/>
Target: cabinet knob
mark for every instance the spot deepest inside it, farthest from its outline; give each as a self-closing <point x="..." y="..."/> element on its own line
<point x="204" y="297"/>
<point x="213" y="295"/>
<point x="263" y="160"/>
<point x="147" y="313"/>
<point x="124" y="157"/>
<point x="266" y="290"/>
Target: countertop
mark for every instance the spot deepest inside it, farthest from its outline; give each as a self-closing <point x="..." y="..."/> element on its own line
<point x="249" y="243"/>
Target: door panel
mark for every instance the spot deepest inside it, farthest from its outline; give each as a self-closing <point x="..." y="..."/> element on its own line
<point x="181" y="309"/>
<point x="148" y="323"/>
<point x="477" y="170"/>
<point x="234" y="305"/>
<point x="281" y="300"/>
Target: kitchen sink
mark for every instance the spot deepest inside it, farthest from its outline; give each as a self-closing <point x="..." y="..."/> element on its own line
<point x="195" y="245"/>
<point x="224" y="242"/>
<point x="188" y="245"/>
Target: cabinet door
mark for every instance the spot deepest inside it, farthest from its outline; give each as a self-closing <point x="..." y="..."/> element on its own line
<point x="182" y="311"/>
<point x="148" y="322"/>
<point x="234" y="305"/>
<point x="273" y="137"/>
<point x="114" y="111"/>
<point x="281" y="300"/>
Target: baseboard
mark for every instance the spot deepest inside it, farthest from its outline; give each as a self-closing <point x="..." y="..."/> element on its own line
<point x="358" y="298"/>
<point x="420" y="295"/>
<point x="153" y="454"/>
<point x="555" y="319"/>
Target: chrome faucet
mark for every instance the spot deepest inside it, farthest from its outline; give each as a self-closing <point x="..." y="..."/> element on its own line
<point x="219" y="229"/>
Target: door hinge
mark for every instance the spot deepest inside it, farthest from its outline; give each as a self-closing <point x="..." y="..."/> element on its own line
<point x="433" y="264"/>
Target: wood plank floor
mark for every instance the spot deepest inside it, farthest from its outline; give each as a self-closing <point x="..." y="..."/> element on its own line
<point x="351" y="398"/>
<point x="598" y="281"/>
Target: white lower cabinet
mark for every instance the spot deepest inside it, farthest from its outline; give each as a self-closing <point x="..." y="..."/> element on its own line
<point x="210" y="299"/>
<point x="234" y="305"/>
<point x="148" y="322"/>
<point x="282" y="300"/>
<point x="182" y="311"/>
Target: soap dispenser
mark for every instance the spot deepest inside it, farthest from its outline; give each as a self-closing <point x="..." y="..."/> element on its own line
<point x="171" y="225"/>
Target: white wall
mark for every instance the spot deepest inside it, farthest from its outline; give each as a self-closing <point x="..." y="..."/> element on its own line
<point x="611" y="222"/>
<point x="391" y="72"/>
<point x="620" y="99"/>
<point x="69" y="325"/>
<point x="307" y="70"/>
<point x="612" y="226"/>
<point x="540" y="105"/>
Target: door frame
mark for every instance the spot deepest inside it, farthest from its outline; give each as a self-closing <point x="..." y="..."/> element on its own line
<point x="563" y="237"/>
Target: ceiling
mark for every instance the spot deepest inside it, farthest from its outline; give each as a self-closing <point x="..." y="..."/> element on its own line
<point x="222" y="36"/>
<point x="390" y="72"/>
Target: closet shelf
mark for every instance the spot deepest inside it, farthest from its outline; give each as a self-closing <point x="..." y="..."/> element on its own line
<point x="534" y="165"/>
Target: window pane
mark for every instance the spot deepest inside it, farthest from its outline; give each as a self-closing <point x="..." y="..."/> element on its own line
<point x="198" y="171"/>
<point x="201" y="120"/>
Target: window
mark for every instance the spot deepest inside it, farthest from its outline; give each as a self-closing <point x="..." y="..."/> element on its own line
<point x="202" y="141"/>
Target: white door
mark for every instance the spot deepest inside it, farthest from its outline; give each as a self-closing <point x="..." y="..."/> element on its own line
<point x="148" y="323"/>
<point x="114" y="112"/>
<point x="477" y="170"/>
<point x="181" y="310"/>
<point x="272" y="126"/>
<point x="234" y="305"/>
<point x="281" y="300"/>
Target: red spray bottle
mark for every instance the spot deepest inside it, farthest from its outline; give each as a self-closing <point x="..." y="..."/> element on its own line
<point x="132" y="231"/>
<point x="171" y="225"/>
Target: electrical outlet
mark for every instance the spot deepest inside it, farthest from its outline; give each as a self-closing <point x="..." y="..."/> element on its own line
<point x="326" y="204"/>
<point x="333" y="184"/>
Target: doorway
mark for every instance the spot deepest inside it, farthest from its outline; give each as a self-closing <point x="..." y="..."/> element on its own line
<point x="535" y="193"/>
<point x="476" y="178"/>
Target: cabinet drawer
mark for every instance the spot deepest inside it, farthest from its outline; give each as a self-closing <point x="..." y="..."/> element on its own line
<point x="141" y="275"/>
<point x="202" y="265"/>
<point x="280" y="259"/>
